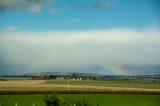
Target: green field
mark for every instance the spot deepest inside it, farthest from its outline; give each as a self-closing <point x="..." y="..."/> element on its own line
<point x="136" y="84"/>
<point x="12" y="78"/>
<point x="101" y="99"/>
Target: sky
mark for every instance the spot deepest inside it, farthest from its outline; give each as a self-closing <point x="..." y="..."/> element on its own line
<point x="68" y="35"/>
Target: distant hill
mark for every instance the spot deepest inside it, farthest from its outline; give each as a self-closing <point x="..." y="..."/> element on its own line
<point x="93" y="69"/>
<point x="143" y="69"/>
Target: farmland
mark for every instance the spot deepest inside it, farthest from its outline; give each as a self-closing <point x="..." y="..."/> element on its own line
<point x="130" y="84"/>
<point x="101" y="99"/>
<point x="42" y="86"/>
<point x="106" y="93"/>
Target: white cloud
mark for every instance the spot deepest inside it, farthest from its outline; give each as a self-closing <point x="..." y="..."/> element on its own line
<point x="69" y="48"/>
<point x="36" y="9"/>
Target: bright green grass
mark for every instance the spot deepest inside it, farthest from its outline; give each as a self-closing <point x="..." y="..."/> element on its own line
<point x="22" y="100"/>
<point x="101" y="99"/>
<point x="110" y="83"/>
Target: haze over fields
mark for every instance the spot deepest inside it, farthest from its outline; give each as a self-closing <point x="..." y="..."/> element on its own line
<point x="93" y="36"/>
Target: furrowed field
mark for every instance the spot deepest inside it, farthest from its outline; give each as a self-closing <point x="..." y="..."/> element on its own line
<point x="101" y="99"/>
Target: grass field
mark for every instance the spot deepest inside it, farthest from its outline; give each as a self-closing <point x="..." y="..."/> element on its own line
<point x="130" y="84"/>
<point x="101" y="99"/>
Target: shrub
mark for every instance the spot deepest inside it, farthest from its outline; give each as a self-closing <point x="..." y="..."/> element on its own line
<point x="54" y="100"/>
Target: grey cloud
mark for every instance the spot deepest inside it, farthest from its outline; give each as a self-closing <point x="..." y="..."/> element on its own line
<point x="35" y="6"/>
<point x="100" y="4"/>
<point x="28" y="5"/>
<point x="96" y="4"/>
<point x="49" y="50"/>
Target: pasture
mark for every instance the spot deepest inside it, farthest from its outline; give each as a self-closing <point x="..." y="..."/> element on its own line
<point x="130" y="84"/>
<point x="101" y="99"/>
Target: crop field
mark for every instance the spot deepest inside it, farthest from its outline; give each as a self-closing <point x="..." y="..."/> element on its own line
<point x="101" y="99"/>
<point x="42" y="86"/>
<point x="131" y="84"/>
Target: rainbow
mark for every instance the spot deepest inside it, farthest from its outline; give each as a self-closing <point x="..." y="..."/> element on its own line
<point x="117" y="69"/>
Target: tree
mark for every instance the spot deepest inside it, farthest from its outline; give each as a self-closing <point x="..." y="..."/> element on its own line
<point x="54" y="100"/>
<point x="52" y="77"/>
